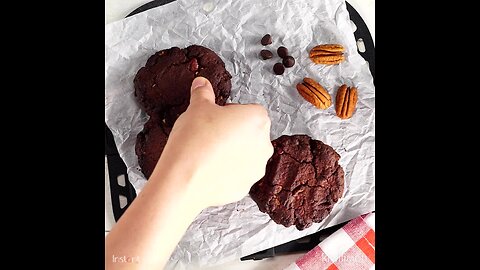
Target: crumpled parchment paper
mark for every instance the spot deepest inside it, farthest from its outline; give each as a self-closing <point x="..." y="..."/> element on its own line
<point x="233" y="29"/>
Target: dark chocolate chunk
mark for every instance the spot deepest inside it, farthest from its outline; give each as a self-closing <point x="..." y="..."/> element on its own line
<point x="282" y="52"/>
<point x="278" y="68"/>
<point x="288" y="61"/>
<point x="267" y="39"/>
<point x="266" y="54"/>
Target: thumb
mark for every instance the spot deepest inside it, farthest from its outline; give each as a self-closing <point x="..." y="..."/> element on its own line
<point x="201" y="90"/>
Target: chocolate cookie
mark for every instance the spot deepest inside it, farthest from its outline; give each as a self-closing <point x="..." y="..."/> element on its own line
<point x="303" y="181"/>
<point x="150" y="143"/>
<point x="162" y="86"/>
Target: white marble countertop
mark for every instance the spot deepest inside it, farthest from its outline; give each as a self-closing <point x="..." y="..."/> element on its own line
<point x="116" y="10"/>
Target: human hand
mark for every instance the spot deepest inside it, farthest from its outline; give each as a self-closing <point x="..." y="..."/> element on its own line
<point x="223" y="150"/>
<point x="214" y="154"/>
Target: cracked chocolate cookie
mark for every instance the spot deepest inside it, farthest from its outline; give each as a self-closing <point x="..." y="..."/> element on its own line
<point x="162" y="86"/>
<point x="302" y="182"/>
<point x="150" y="143"/>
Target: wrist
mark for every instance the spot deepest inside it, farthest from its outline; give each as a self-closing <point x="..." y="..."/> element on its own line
<point x="157" y="219"/>
<point x="177" y="181"/>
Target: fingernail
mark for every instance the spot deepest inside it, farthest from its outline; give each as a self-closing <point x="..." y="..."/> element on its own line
<point x="199" y="82"/>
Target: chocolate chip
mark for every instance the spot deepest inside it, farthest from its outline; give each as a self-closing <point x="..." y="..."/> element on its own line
<point x="282" y="52"/>
<point x="267" y="39"/>
<point x="278" y="68"/>
<point x="266" y="54"/>
<point x="288" y="61"/>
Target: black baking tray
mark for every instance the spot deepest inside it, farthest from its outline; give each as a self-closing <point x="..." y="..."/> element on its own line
<point x="117" y="168"/>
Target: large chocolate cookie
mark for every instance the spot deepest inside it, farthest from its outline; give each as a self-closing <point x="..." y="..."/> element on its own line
<point x="162" y="86"/>
<point x="303" y="181"/>
<point x="150" y="143"/>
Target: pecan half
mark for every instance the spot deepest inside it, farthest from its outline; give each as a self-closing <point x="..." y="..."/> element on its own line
<point x="314" y="93"/>
<point x="193" y="65"/>
<point x="327" y="54"/>
<point x="346" y="101"/>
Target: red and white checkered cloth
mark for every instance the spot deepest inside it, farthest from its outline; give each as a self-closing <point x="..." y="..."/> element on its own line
<point x="350" y="248"/>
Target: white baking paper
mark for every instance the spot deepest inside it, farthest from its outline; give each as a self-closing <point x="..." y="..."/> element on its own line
<point x="233" y="29"/>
